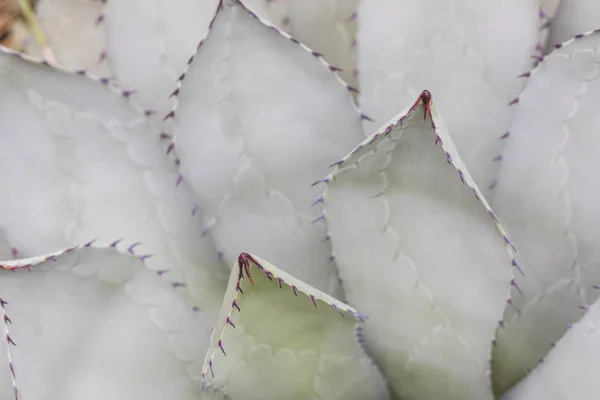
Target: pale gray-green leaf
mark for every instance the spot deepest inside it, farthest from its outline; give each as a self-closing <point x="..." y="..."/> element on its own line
<point x="259" y="119"/>
<point x="279" y="338"/>
<point x="93" y="323"/>
<point x="547" y="199"/>
<point x="468" y="53"/>
<point x="570" y="371"/>
<point x="421" y="253"/>
<point x="78" y="162"/>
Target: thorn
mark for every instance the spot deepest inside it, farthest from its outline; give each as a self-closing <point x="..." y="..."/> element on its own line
<point x="228" y="320"/>
<point x="171" y="114"/>
<point x="525" y="75"/>
<point x="513" y="101"/>
<point x="116" y="242"/>
<point x="295" y="290"/>
<point x="221" y="347"/>
<point x="99" y="19"/>
<point x="179" y="180"/>
<point x="131" y="248"/>
<point x="177" y="285"/>
<point x="312" y="298"/>
<point x="161" y="272"/>
<point x="9" y="340"/>
<point x="317" y="201"/>
<point x="235" y="304"/>
<point x="175" y="93"/>
<point x="324" y="180"/>
<point x="321" y="217"/>
<point x="426" y="98"/>
<point x="244" y="264"/>
<point x="128" y="93"/>
<point x="165" y="136"/>
<point x="366" y="117"/>
<point x="145" y="257"/>
<point x="516" y="286"/>
<point x="170" y="148"/>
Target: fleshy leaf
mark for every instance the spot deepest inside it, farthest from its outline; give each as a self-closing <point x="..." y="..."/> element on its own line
<point x="547" y="198"/>
<point x="421" y="252"/>
<point x="549" y="7"/>
<point x="278" y="338"/>
<point x="78" y="162"/>
<point x="469" y="53"/>
<point x="328" y="27"/>
<point x="71" y="27"/>
<point x="148" y="43"/>
<point x="574" y="17"/>
<point x="259" y="119"/>
<point x="570" y="371"/>
<point x="93" y="323"/>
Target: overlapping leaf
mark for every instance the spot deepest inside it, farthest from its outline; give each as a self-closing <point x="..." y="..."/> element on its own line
<point x="259" y="119"/>
<point x="574" y="17"/>
<point x="279" y="338"/>
<point x="547" y="198"/>
<point x="77" y="162"/>
<point x="570" y="370"/>
<point x="93" y="323"/>
<point x="421" y="252"/>
<point x="148" y="43"/>
<point x="70" y="27"/>
<point x="469" y="53"/>
<point x="328" y="27"/>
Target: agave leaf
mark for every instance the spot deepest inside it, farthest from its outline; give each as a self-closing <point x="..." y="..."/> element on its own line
<point x="574" y="17"/>
<point x="421" y="252"/>
<point x="328" y="27"/>
<point x="78" y="162"/>
<point x="277" y="338"/>
<point x="469" y="53"/>
<point x="73" y="34"/>
<point x="570" y="371"/>
<point x="94" y="323"/>
<point x="549" y="7"/>
<point x="148" y="43"/>
<point x="546" y="197"/>
<point x="259" y="119"/>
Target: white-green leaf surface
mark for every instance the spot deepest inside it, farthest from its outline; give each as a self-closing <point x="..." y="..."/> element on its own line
<point x="77" y="163"/>
<point x="148" y="43"/>
<point x="574" y="17"/>
<point x="328" y="27"/>
<point x="71" y="27"/>
<point x="259" y="119"/>
<point x="468" y="53"/>
<point x="93" y="323"/>
<point x="279" y="338"/>
<point x="421" y="253"/>
<point x="547" y="199"/>
<point x="549" y="7"/>
<point x="570" y="371"/>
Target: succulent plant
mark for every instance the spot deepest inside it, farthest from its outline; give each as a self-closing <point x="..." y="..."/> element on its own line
<point x="229" y="217"/>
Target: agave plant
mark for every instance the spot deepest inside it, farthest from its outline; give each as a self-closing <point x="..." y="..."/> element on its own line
<point x="220" y="219"/>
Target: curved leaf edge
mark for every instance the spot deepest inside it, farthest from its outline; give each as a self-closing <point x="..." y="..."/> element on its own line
<point x="240" y="271"/>
<point x="27" y="264"/>
<point x="540" y="60"/>
<point x="442" y="137"/>
<point x="335" y="70"/>
<point x="108" y="84"/>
